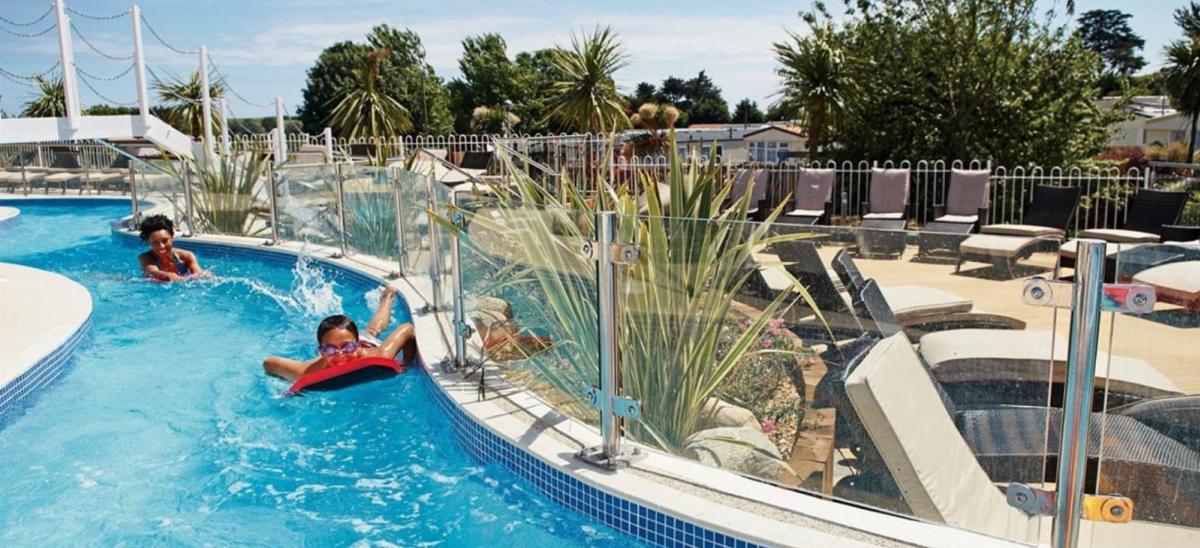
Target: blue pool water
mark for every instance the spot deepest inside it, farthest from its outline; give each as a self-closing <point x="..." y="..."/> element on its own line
<point x="165" y="431"/>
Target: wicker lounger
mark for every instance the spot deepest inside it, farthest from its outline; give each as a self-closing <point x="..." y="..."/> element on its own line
<point x="1044" y="220"/>
<point x="812" y="199"/>
<point x="921" y="309"/>
<point x="911" y="446"/>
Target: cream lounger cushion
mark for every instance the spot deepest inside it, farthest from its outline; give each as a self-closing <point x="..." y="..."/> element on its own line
<point x="63" y="176"/>
<point x="961" y="219"/>
<point x="1021" y="230"/>
<point x="964" y="355"/>
<point x="1121" y="236"/>
<point x="1071" y="248"/>
<point x="805" y="213"/>
<point x="995" y="245"/>
<point x="883" y="216"/>
<point x="936" y="471"/>
<point x="912" y="301"/>
<point x="1183" y="276"/>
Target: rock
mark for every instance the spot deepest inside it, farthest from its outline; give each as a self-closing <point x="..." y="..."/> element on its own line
<point x="492" y="310"/>
<point x="718" y="413"/>
<point x="742" y="450"/>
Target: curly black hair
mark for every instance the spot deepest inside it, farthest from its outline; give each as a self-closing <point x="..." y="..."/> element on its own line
<point x="337" y="321"/>
<point x="155" y="223"/>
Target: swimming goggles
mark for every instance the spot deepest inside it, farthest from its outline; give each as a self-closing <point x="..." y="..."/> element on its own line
<point x="330" y="350"/>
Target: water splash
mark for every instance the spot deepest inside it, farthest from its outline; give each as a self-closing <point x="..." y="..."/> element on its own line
<point x="311" y="294"/>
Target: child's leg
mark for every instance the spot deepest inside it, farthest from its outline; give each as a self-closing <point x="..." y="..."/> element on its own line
<point x="383" y="315"/>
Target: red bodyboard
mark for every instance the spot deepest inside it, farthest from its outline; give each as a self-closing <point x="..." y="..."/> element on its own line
<point x="351" y="372"/>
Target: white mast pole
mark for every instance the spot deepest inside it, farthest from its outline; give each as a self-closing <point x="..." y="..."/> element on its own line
<point x="328" y="135"/>
<point x="225" y="146"/>
<point x="206" y="106"/>
<point x="139" y="63"/>
<point x="67" y="61"/>
<point x="280" y="134"/>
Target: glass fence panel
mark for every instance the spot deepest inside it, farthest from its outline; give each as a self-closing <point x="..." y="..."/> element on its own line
<point x="1145" y="438"/>
<point x="440" y="237"/>
<point x="847" y="362"/>
<point x="531" y="296"/>
<point x="414" y="219"/>
<point x="370" y="206"/>
<point x="306" y="204"/>
<point x="160" y="190"/>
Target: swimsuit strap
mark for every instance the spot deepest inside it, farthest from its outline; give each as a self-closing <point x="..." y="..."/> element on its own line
<point x="175" y="266"/>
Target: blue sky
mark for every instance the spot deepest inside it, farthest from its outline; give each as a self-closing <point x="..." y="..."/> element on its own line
<point x="265" y="46"/>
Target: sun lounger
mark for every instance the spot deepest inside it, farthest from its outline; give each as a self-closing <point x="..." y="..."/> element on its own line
<point x="1176" y="283"/>
<point x="1043" y="224"/>
<point x="812" y="199"/>
<point x="910" y="448"/>
<point x="966" y="204"/>
<point x="1177" y="417"/>
<point x="1148" y="211"/>
<point x="776" y="275"/>
<point x="921" y="309"/>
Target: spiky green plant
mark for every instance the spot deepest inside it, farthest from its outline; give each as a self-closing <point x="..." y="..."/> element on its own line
<point x="695" y="259"/>
<point x="586" y="98"/>
<point x="49" y="102"/>
<point x="226" y="195"/>
<point x="182" y="103"/>
<point x="365" y="109"/>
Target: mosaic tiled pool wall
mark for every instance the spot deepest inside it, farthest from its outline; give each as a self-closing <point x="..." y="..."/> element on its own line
<point x="565" y="490"/>
<point x="637" y="520"/>
<point x="21" y="391"/>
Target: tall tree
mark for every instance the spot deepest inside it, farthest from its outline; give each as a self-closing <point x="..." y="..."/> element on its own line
<point x="1182" y="73"/>
<point x="365" y="110"/>
<point x="747" y="112"/>
<point x="698" y="99"/>
<point x="49" y="102"/>
<point x="1107" y="32"/>
<point x="537" y="74"/>
<point x="815" y="81"/>
<point x="332" y="73"/>
<point x="963" y="79"/>
<point x="586" y="97"/>
<point x="489" y="80"/>
<point x="404" y="75"/>
<point x="645" y="92"/>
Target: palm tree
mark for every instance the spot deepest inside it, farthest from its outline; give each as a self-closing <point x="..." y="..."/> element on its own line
<point x="183" y="103"/>
<point x="1182" y="73"/>
<point x="49" y="102"/>
<point x="586" y="98"/>
<point x="814" y="84"/>
<point x="365" y="110"/>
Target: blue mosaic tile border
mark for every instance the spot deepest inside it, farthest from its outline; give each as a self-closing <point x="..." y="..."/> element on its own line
<point x="637" y="520"/>
<point x="37" y="378"/>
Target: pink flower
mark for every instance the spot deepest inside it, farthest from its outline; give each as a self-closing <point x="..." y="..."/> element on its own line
<point x="768" y="425"/>
<point x="775" y="327"/>
<point x="767" y="343"/>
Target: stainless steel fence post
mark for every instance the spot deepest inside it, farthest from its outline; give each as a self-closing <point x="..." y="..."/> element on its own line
<point x="189" y="210"/>
<point x="401" y="253"/>
<point x="435" y="252"/>
<point x="272" y="197"/>
<point x="133" y="196"/>
<point x="339" y="183"/>
<point x="1077" y="404"/>
<point x="610" y="424"/>
<point x="614" y="407"/>
<point x="461" y="330"/>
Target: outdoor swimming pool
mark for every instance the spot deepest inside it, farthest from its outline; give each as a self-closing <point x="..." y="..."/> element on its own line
<point x="165" y="430"/>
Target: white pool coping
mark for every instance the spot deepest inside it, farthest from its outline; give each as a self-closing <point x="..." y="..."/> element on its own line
<point x="40" y="312"/>
<point x="8" y="215"/>
<point x="531" y="425"/>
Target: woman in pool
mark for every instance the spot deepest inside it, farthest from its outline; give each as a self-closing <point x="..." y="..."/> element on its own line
<point x="338" y="341"/>
<point x="164" y="263"/>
